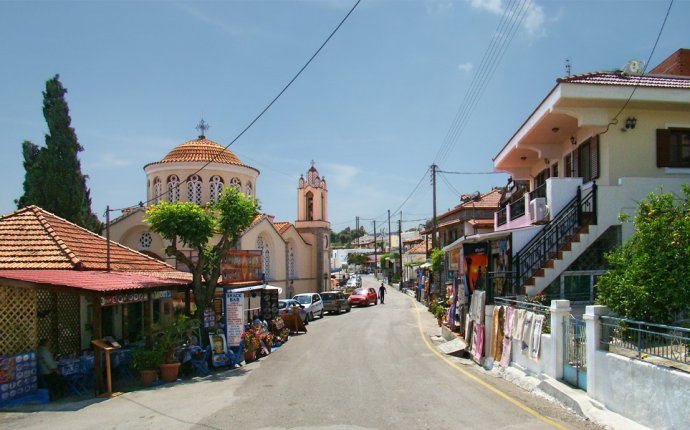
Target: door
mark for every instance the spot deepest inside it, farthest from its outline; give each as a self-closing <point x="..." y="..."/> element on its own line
<point x="575" y="356"/>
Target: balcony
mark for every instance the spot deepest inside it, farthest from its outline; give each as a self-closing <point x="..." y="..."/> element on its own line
<point x="521" y="213"/>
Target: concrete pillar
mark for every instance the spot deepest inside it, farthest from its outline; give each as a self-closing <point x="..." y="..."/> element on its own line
<point x="560" y="310"/>
<point x="488" y="335"/>
<point x="593" y="333"/>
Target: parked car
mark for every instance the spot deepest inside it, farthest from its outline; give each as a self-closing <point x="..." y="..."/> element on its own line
<point x="287" y="306"/>
<point x="363" y="297"/>
<point x="312" y="304"/>
<point x="335" y="302"/>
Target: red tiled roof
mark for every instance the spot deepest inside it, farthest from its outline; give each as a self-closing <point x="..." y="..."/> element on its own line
<point x="420" y="248"/>
<point x="610" y="78"/>
<point x="95" y="281"/>
<point x="481" y="222"/>
<point x="282" y="226"/>
<point x="201" y="149"/>
<point x="488" y="200"/>
<point x="448" y="223"/>
<point x="413" y="240"/>
<point x="32" y="238"/>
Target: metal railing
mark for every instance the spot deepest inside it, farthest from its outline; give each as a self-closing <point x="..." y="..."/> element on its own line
<point x="499" y="284"/>
<point x="540" y="191"/>
<point x="581" y="210"/>
<point x="536" y="308"/>
<point x="517" y="208"/>
<point x="502" y="216"/>
<point x="642" y="339"/>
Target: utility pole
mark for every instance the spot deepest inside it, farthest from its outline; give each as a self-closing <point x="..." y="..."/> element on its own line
<point x="400" y="246"/>
<point x="389" y="230"/>
<point x="107" y="234"/>
<point x="376" y="256"/>
<point x="357" y="230"/>
<point x="433" y="179"/>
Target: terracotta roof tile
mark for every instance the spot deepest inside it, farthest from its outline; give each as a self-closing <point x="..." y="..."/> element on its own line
<point x="95" y="281"/>
<point x="282" y="227"/>
<point x="481" y="222"/>
<point x="611" y="78"/>
<point x="32" y="238"/>
<point x="420" y="248"/>
<point x="200" y="150"/>
<point x="487" y="200"/>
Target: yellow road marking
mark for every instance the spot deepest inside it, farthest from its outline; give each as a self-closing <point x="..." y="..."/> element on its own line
<point x="479" y="381"/>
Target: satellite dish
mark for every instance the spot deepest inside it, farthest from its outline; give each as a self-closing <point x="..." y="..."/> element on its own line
<point x="633" y="67"/>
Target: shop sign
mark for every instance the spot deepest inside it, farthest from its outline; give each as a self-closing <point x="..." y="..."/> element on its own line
<point x="454" y="259"/>
<point x="234" y="317"/>
<point x="123" y="299"/>
<point x="241" y="266"/>
<point x="166" y="294"/>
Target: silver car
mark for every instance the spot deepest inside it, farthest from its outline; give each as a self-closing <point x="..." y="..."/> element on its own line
<point x="286" y="306"/>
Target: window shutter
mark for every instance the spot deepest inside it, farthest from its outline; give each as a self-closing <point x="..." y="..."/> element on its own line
<point x="663" y="147"/>
<point x="594" y="157"/>
<point x="576" y="164"/>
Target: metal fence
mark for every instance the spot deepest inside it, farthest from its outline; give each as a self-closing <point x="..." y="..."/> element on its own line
<point x="641" y="339"/>
<point x="530" y="306"/>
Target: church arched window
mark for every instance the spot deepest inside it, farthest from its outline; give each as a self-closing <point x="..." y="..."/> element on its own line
<point x="216" y="188"/>
<point x="310" y="206"/>
<point x="194" y="189"/>
<point x="249" y="189"/>
<point x="145" y="240"/>
<point x="266" y="256"/>
<point x="173" y="189"/>
<point x="291" y="263"/>
<point x="235" y="182"/>
<point x="157" y="190"/>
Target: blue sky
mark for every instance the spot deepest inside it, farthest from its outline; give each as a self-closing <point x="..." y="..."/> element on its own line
<point x="372" y="110"/>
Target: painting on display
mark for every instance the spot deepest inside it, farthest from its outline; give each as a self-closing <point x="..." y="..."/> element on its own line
<point x="241" y="266"/>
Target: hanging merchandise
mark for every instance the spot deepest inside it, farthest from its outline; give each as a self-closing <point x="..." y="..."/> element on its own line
<point x="507" y="336"/>
<point x="526" y="332"/>
<point x="478" y="342"/>
<point x="497" y="332"/>
<point x="538" y="326"/>
<point x="518" y="324"/>
<point x="477" y="306"/>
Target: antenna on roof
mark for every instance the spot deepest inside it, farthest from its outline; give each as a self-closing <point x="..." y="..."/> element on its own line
<point x="567" y="66"/>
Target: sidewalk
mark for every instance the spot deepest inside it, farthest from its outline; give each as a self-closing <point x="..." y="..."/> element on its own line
<point x="574" y="399"/>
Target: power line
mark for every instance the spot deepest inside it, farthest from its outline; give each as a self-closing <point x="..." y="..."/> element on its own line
<point x="470" y="173"/>
<point x="268" y="106"/>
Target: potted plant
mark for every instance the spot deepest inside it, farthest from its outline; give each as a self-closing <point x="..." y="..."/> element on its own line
<point x="252" y="343"/>
<point x="439" y="313"/>
<point x="169" y="339"/>
<point x="147" y="362"/>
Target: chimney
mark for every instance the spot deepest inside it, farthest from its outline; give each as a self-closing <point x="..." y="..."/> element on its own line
<point x="677" y="64"/>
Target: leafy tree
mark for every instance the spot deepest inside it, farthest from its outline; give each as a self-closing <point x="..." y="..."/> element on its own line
<point x="53" y="179"/>
<point x="649" y="276"/>
<point x="357" y="259"/>
<point x="188" y="225"/>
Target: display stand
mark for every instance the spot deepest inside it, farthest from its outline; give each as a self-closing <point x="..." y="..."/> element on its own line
<point x="294" y="323"/>
<point x="101" y="345"/>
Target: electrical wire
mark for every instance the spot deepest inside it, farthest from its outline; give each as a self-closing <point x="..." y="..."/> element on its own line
<point x="644" y="69"/>
<point x="257" y="117"/>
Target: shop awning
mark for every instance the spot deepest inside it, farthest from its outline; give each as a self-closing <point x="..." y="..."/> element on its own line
<point x="246" y="289"/>
<point x="481" y="237"/>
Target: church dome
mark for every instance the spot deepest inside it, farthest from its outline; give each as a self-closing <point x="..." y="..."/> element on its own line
<point x="200" y="150"/>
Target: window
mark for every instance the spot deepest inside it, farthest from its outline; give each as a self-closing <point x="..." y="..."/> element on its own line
<point x="583" y="162"/>
<point x="554" y="170"/>
<point x="673" y="147"/>
<point x="266" y="256"/>
<point x="248" y="189"/>
<point x="310" y="206"/>
<point x="145" y="240"/>
<point x="216" y="188"/>
<point x="157" y="190"/>
<point x="173" y="189"/>
<point x="291" y="263"/>
<point x="194" y="189"/>
<point x="236" y="183"/>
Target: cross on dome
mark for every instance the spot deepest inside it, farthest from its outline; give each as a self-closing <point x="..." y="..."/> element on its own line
<point x="202" y="127"/>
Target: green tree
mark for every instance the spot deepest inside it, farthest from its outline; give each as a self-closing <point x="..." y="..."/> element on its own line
<point x="357" y="259"/>
<point x="649" y="273"/>
<point x="53" y="179"/>
<point x="188" y="225"/>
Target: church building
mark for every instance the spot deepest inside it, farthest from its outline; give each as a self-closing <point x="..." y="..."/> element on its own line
<point x="294" y="256"/>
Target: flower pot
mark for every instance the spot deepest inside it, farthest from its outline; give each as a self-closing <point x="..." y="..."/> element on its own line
<point x="169" y="371"/>
<point x="148" y="377"/>
<point x="249" y="356"/>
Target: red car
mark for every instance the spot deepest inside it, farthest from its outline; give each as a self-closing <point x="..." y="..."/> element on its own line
<point x="363" y="297"/>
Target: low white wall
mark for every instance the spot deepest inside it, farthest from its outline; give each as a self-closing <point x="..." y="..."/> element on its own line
<point x="525" y="362"/>
<point x="652" y="395"/>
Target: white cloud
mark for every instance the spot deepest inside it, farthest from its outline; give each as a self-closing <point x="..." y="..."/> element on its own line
<point x="341" y="174"/>
<point x="534" y="16"/>
<point x="207" y="19"/>
<point x="465" y="67"/>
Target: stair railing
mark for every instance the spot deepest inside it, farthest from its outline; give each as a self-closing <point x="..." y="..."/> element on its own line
<point x="544" y="246"/>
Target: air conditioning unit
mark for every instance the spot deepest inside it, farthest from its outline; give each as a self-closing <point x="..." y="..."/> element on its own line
<point x="538" y="210"/>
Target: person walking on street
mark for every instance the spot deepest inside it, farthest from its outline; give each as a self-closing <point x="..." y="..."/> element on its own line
<point x="382" y="292"/>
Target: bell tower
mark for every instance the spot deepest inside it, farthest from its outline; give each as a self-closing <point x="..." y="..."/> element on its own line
<point x="312" y="223"/>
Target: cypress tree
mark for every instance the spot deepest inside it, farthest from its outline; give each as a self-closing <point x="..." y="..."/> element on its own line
<point x="53" y="179"/>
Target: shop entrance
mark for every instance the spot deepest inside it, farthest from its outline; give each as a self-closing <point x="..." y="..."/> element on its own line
<point x="575" y="359"/>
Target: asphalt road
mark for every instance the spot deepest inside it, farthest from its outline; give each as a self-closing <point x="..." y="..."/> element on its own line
<point x="373" y="368"/>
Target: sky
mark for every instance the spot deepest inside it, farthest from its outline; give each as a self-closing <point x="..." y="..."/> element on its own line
<point x="374" y="109"/>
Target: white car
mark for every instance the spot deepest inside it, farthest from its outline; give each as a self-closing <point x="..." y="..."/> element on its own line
<point x="312" y="304"/>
